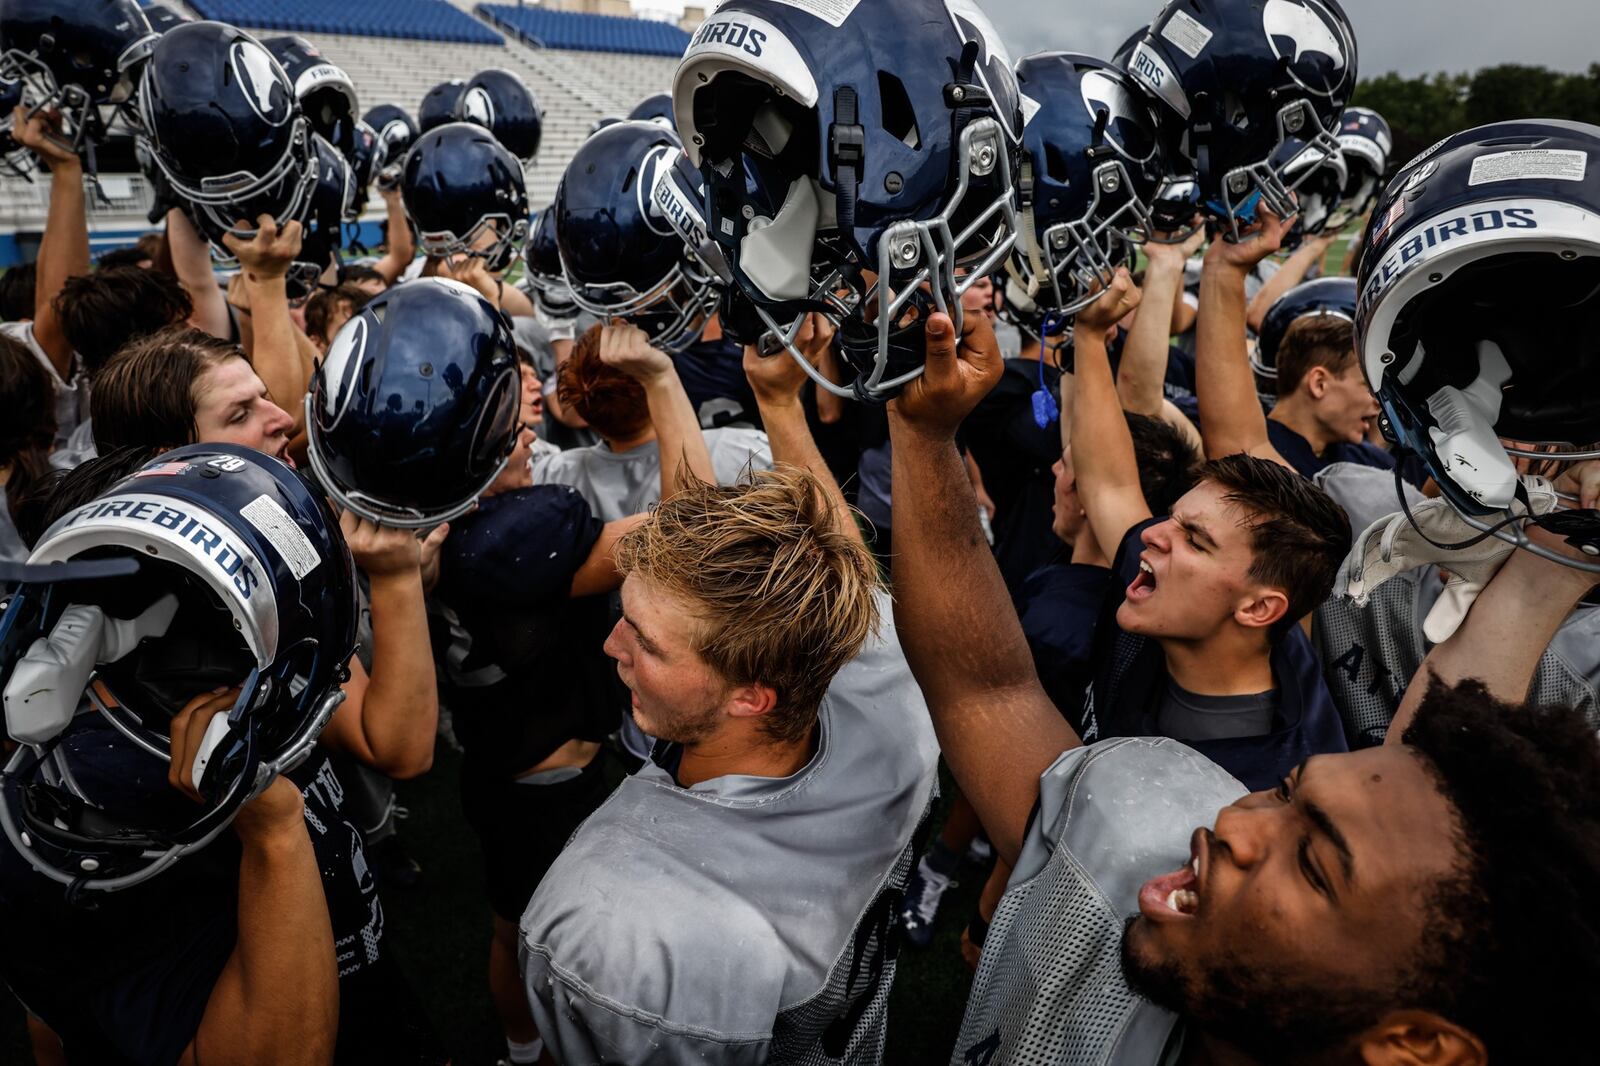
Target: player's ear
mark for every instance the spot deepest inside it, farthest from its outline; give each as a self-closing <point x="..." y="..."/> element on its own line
<point x="751" y="701"/>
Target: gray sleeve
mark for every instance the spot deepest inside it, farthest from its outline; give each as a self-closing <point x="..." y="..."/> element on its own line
<point x="581" y="1027"/>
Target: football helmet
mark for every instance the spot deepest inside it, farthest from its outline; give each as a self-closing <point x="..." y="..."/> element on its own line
<point x="1237" y="81"/>
<point x="546" y="284"/>
<point x="621" y="255"/>
<point x="1319" y="180"/>
<point x="1332" y="297"/>
<point x="502" y="103"/>
<point x="852" y="164"/>
<point x="1365" y="143"/>
<point x="414" y="411"/>
<point x="1090" y="165"/>
<point x="1482" y="250"/>
<point x="366" y="158"/>
<point x="397" y="132"/>
<point x="439" y="104"/>
<point x="212" y="565"/>
<point x="323" y="225"/>
<point x="220" y="121"/>
<point x="655" y="108"/>
<point x="163" y="18"/>
<point x="15" y="160"/>
<point x="77" y="57"/>
<point x="327" y="95"/>
<point x="458" y="184"/>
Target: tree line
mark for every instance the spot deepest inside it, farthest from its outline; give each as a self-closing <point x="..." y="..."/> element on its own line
<point x="1422" y="110"/>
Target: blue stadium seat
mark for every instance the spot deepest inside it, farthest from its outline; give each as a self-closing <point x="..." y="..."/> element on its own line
<point x="427" y="20"/>
<point x="589" y="33"/>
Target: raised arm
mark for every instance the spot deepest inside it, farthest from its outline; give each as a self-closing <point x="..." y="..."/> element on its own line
<point x="1231" y="418"/>
<point x="1102" y="448"/>
<point x="277" y="997"/>
<point x="778" y="382"/>
<point x="1143" y="369"/>
<point x="997" y="728"/>
<point x="191" y="262"/>
<point x="1291" y="273"/>
<point x="401" y="245"/>
<point x="1505" y="633"/>
<point x="64" y="251"/>
<point x="275" y="351"/>
<point x="678" y="438"/>
<point x="389" y="720"/>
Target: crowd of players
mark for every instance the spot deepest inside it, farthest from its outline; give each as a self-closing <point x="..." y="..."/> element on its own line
<point x="1249" y="603"/>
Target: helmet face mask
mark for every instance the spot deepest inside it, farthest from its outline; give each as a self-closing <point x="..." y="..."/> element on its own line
<point x="465" y="195"/>
<point x="1244" y="189"/>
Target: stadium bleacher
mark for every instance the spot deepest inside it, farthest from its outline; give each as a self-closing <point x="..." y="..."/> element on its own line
<point x="578" y="30"/>
<point x="427" y="20"/>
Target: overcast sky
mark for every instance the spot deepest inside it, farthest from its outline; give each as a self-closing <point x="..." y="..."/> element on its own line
<point x="1410" y="36"/>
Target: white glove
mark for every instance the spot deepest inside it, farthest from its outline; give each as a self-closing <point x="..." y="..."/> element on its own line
<point x="1392" y="545"/>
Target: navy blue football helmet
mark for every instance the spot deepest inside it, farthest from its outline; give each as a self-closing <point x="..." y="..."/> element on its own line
<point x="1319" y="179"/>
<point x="1240" y="79"/>
<point x="397" y="132"/>
<point x="1321" y="297"/>
<point x="846" y="158"/>
<point x="323" y="234"/>
<point x="1480" y="252"/>
<point x="655" y="108"/>
<point x="327" y="95"/>
<point x="502" y="103"/>
<point x="1090" y="165"/>
<point x="546" y="283"/>
<point x="77" y="57"/>
<point x="621" y="255"/>
<point x="213" y="565"/>
<point x="220" y="121"/>
<point x="1365" y="141"/>
<point x="366" y="158"/>
<point x="439" y="104"/>
<point x="414" y="411"/>
<point x="465" y="194"/>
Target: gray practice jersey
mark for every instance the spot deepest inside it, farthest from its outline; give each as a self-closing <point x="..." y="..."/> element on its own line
<point x="1049" y="988"/>
<point x="745" y="919"/>
<point x="1370" y="654"/>
<point x="619" y="484"/>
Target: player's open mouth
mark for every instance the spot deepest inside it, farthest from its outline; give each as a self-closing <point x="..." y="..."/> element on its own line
<point x="1175" y="895"/>
<point x="283" y="455"/>
<point x="1144" y="583"/>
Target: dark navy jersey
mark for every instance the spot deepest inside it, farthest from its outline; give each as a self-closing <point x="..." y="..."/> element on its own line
<point x="523" y="657"/>
<point x="1058" y="606"/>
<point x="1296" y="451"/>
<point x="125" y="978"/>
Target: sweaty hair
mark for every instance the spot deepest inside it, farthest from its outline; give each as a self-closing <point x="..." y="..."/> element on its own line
<point x="782" y="595"/>
<point x="1298" y="535"/>
<point x="17" y="291"/>
<point x="610" y="401"/>
<point x="1167" y="461"/>
<point x="28" y="429"/>
<point x="1314" y="340"/>
<point x="324" y="302"/>
<point x="146" y="394"/>
<point x="103" y="311"/>
<point x="1511" y="945"/>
